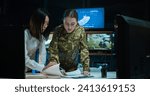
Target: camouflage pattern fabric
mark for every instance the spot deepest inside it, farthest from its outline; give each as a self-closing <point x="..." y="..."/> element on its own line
<point x="66" y="47"/>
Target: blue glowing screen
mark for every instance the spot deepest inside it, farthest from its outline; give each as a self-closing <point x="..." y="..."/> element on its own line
<point x="91" y="17"/>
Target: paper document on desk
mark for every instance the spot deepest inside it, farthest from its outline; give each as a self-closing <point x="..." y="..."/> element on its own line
<point x="76" y="74"/>
<point x="53" y="70"/>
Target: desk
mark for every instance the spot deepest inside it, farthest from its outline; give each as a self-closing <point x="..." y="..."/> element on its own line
<point x="94" y="72"/>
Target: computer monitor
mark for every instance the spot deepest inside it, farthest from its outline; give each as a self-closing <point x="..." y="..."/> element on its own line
<point x="91" y="18"/>
<point x="132" y="47"/>
<point x="100" y="41"/>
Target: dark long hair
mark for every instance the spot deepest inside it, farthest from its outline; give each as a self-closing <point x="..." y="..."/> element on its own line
<point x="36" y="21"/>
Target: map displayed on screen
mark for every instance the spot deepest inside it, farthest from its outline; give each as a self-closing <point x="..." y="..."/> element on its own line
<point x="91" y="17"/>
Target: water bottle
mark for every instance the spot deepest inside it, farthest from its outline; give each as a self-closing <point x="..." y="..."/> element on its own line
<point x="104" y="71"/>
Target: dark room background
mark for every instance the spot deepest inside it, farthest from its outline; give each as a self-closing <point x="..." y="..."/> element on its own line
<point x="16" y="13"/>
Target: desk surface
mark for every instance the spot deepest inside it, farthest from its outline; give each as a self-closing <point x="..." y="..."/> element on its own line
<point x="95" y="74"/>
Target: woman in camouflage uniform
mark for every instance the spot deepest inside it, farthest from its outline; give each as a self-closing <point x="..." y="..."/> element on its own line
<point x="68" y="41"/>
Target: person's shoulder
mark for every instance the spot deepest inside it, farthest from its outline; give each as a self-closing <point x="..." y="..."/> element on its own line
<point x="27" y="33"/>
<point x="80" y="29"/>
<point x="59" y="29"/>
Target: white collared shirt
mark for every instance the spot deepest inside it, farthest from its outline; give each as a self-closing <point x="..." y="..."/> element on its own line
<point x="31" y="45"/>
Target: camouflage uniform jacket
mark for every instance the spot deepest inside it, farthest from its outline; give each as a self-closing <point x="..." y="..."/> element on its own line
<point x="65" y="48"/>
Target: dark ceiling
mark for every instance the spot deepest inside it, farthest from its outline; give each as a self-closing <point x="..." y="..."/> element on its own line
<point x="22" y="9"/>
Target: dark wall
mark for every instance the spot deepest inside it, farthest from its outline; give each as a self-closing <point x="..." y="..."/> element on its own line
<point x="12" y="52"/>
<point x="19" y="11"/>
<point x="134" y="8"/>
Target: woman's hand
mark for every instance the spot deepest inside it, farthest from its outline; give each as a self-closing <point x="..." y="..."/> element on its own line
<point x="49" y="65"/>
<point x="87" y="73"/>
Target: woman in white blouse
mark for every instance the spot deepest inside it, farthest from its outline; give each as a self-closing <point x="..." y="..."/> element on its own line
<point x="34" y="40"/>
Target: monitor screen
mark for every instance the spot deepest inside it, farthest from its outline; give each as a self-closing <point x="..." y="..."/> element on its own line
<point x="91" y="18"/>
<point x="132" y="47"/>
<point x="97" y="41"/>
